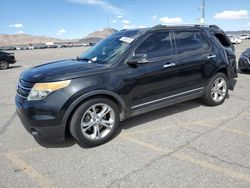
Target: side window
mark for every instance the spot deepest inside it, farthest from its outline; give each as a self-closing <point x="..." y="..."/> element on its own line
<point x="157" y="45"/>
<point x="223" y="39"/>
<point x="190" y="41"/>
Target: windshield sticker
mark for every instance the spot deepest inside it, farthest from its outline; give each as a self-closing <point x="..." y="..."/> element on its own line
<point x="126" y="39"/>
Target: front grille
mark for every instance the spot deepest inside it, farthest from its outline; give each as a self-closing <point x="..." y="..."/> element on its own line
<point x="23" y="88"/>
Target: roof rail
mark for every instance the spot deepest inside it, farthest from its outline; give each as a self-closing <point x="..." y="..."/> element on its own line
<point x="212" y="26"/>
<point x="160" y="26"/>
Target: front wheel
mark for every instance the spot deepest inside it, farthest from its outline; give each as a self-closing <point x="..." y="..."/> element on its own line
<point x="216" y="90"/>
<point x="4" y="65"/>
<point x="95" y="122"/>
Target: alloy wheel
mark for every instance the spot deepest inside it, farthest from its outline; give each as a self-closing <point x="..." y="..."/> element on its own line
<point x="97" y="121"/>
<point x="3" y="65"/>
<point x="219" y="89"/>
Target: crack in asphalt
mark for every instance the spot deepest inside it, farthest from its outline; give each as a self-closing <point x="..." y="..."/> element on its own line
<point x="186" y="145"/>
<point x="7" y="123"/>
<point x="239" y="97"/>
<point x="6" y="104"/>
<point x="148" y="164"/>
<point x="219" y="159"/>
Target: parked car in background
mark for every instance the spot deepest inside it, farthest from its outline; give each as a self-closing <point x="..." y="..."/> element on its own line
<point x="31" y="47"/>
<point x="235" y="40"/>
<point x="129" y="73"/>
<point x="40" y="46"/>
<point x="6" y="59"/>
<point x="244" y="60"/>
<point x="244" y="36"/>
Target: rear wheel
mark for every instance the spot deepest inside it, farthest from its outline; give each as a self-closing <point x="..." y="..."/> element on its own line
<point x="4" y="65"/>
<point x="216" y="90"/>
<point x="95" y="122"/>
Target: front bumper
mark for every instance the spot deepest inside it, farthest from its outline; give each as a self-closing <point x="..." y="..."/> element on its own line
<point x="42" y="125"/>
<point x="12" y="60"/>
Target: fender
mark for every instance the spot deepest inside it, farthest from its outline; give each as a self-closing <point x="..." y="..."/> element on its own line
<point x="231" y="81"/>
<point x="123" y="113"/>
<point x="218" y="70"/>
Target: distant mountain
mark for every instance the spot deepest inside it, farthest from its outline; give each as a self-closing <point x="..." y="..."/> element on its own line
<point x="96" y="36"/>
<point x="22" y="39"/>
<point x="237" y="33"/>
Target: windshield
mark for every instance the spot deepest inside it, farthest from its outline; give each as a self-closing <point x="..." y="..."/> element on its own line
<point x="110" y="48"/>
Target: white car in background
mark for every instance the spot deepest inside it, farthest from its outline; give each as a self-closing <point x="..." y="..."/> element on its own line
<point x="235" y="40"/>
<point x="244" y="36"/>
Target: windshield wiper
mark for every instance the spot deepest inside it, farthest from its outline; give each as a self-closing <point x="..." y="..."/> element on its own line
<point x="83" y="59"/>
<point x="90" y="60"/>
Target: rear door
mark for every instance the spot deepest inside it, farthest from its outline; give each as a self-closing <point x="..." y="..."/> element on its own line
<point x="195" y="59"/>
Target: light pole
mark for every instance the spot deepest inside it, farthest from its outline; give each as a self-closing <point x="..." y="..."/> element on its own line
<point x="202" y="20"/>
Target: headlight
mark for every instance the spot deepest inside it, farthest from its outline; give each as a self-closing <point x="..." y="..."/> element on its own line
<point x="42" y="90"/>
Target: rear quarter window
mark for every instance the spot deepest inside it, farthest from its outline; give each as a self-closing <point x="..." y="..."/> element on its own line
<point x="224" y="41"/>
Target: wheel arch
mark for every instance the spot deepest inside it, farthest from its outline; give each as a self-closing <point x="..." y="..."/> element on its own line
<point x="223" y="70"/>
<point x="98" y="93"/>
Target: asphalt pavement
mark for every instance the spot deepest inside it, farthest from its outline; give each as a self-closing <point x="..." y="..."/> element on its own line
<point x="185" y="145"/>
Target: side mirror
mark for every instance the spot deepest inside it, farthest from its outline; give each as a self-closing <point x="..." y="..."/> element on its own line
<point x="138" y="59"/>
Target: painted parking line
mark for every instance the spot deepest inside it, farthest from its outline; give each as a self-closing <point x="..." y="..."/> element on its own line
<point x="29" y="170"/>
<point x="183" y="157"/>
<point x="199" y="123"/>
<point x="27" y="150"/>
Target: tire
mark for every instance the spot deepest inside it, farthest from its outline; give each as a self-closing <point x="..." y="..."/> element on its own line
<point x="4" y="65"/>
<point x="216" y="88"/>
<point x="91" y="117"/>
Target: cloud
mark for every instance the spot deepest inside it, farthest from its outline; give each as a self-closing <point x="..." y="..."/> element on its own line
<point x="119" y="17"/>
<point x="113" y="21"/>
<point x="60" y="32"/>
<point x="126" y="22"/>
<point x="17" y="25"/>
<point x="232" y="15"/>
<point x="106" y="6"/>
<point x="129" y="26"/>
<point x="167" y="20"/>
<point x="154" y="17"/>
<point x="20" y="32"/>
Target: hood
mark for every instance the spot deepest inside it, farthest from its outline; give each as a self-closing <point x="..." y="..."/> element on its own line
<point x="6" y="53"/>
<point x="246" y="53"/>
<point x="62" y="70"/>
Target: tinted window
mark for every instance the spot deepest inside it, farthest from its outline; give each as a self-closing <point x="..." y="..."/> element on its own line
<point x="223" y="39"/>
<point x="157" y="45"/>
<point x="190" y="41"/>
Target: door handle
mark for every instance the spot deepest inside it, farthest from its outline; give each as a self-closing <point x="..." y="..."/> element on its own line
<point x="211" y="56"/>
<point x="169" y="65"/>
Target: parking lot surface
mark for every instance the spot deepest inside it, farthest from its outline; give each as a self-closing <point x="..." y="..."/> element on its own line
<point x="185" y="145"/>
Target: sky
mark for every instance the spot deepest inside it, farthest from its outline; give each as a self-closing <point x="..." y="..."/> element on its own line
<point x="69" y="19"/>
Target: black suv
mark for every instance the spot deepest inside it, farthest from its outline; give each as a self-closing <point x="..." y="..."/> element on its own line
<point x="129" y="73"/>
<point x="6" y="59"/>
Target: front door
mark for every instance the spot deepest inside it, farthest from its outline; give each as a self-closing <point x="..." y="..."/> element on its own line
<point x="155" y="81"/>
